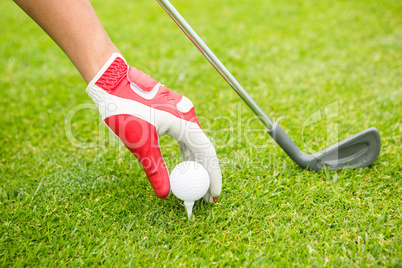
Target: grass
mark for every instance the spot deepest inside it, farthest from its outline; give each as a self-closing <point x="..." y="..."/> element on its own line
<point x="70" y="195"/>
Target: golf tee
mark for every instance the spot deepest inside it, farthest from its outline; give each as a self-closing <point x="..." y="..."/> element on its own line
<point x="189" y="207"/>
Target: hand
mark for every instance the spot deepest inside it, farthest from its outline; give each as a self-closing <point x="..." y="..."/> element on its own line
<point x="138" y="110"/>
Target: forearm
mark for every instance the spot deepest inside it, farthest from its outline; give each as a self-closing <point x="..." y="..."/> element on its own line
<point x="76" y="29"/>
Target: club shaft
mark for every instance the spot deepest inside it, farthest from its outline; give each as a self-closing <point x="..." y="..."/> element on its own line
<point x="216" y="63"/>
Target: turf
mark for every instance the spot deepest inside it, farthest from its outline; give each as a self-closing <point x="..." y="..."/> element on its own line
<point x="71" y="195"/>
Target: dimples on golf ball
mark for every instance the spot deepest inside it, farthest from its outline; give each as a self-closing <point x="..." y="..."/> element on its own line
<point x="189" y="181"/>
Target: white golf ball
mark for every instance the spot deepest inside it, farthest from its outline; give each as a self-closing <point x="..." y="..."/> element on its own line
<point x="189" y="181"/>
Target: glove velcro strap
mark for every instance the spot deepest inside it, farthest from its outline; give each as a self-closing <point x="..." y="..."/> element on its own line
<point x="141" y="79"/>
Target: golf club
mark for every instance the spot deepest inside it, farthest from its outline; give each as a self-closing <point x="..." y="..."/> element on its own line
<point x="359" y="150"/>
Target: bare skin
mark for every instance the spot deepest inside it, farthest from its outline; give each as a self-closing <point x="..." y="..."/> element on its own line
<point x="76" y="29"/>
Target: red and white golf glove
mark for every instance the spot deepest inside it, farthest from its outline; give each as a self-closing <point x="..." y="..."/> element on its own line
<point x="138" y="110"/>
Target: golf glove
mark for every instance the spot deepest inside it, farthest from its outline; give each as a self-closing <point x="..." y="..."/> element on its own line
<point x="138" y="109"/>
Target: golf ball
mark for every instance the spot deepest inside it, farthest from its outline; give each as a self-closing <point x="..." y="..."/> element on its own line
<point x="189" y="181"/>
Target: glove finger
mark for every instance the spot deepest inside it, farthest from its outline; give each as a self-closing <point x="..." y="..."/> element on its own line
<point x="141" y="138"/>
<point x="194" y="145"/>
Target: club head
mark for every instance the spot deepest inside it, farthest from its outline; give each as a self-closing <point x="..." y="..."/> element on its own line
<point x="357" y="151"/>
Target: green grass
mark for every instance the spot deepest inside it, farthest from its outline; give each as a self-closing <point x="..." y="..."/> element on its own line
<point x="296" y="58"/>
